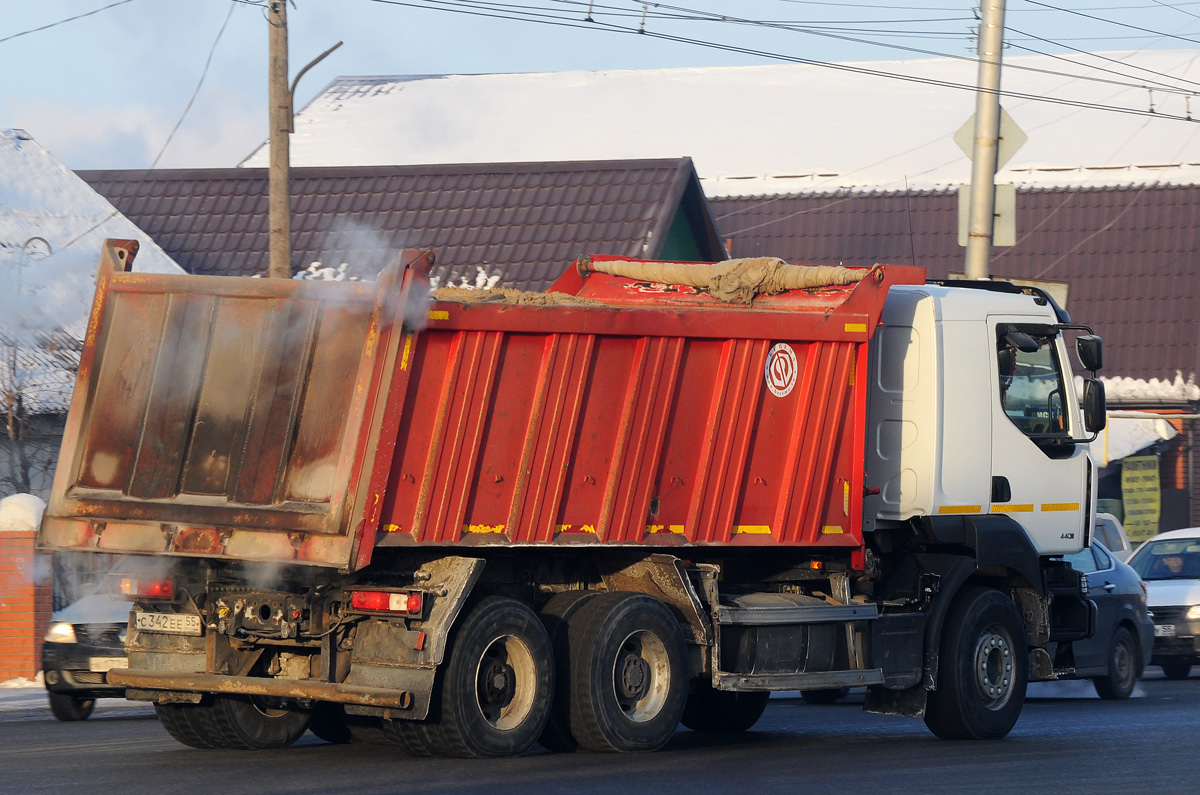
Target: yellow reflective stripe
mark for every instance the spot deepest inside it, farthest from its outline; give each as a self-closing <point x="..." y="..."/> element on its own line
<point x="483" y="528"/>
<point x="407" y="349"/>
<point x="860" y="327"/>
<point x="1060" y="506"/>
<point x="756" y="529"/>
<point x="831" y="528"/>
<point x="1023" y="507"/>
<point x="439" y="314"/>
<point x="665" y="528"/>
<point x="960" y="508"/>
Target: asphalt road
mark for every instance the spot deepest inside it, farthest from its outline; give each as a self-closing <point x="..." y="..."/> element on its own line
<point x="1067" y="741"/>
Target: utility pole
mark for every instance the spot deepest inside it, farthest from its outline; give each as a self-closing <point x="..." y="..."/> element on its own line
<point x="987" y="139"/>
<point x="279" y="265"/>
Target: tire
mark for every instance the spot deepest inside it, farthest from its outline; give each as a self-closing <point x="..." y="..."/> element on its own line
<point x="241" y="722"/>
<point x="329" y="724"/>
<point x="1176" y="668"/>
<point x="496" y="689"/>
<point x="69" y="707"/>
<point x="825" y="696"/>
<point x="556" y="616"/>
<point x="983" y="669"/>
<point x="1124" y="667"/>
<point x="722" y="711"/>
<point x="628" y="673"/>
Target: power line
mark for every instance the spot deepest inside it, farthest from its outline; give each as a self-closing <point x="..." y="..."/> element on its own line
<point x="474" y="9"/>
<point x="1114" y="22"/>
<point x="178" y="124"/>
<point x="64" y="21"/>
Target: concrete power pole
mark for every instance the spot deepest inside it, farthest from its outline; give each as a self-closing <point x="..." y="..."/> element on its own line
<point x="279" y="265"/>
<point x="987" y="139"/>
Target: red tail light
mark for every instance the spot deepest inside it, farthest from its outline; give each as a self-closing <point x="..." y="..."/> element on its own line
<point x="388" y="601"/>
<point x="144" y="587"/>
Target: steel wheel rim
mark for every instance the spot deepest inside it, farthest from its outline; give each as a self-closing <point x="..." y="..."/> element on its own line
<point x="641" y="676"/>
<point x="994" y="672"/>
<point x="505" y="680"/>
<point x="1122" y="664"/>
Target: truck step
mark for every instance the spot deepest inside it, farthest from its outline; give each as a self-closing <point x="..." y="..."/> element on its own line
<point x="799" y="614"/>
<point x="820" y="680"/>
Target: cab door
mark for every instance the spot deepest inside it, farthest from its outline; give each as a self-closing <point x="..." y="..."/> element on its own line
<point x="1040" y="475"/>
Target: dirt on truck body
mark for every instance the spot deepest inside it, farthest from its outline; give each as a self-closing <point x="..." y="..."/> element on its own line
<point x="465" y="525"/>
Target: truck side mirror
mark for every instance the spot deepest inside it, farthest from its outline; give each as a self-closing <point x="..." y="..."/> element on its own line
<point x="1095" y="415"/>
<point x="1091" y="352"/>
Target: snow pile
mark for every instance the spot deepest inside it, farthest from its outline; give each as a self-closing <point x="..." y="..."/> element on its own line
<point x="21" y="682"/>
<point x="319" y="273"/>
<point x="21" y="512"/>
<point x="1137" y="390"/>
<point x="483" y="280"/>
<point x="775" y="129"/>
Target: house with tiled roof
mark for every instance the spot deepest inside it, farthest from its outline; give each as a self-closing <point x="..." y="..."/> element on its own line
<point x="516" y="224"/>
<point x="51" y="227"/>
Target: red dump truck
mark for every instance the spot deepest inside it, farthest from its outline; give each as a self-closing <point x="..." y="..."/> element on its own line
<point x="582" y="517"/>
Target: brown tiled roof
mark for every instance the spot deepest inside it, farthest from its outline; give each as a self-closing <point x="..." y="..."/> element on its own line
<point x="527" y="220"/>
<point x="1131" y="255"/>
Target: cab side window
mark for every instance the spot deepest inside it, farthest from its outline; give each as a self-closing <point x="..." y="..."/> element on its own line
<point x="1031" y="386"/>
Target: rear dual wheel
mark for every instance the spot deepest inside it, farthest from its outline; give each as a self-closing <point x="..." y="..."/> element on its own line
<point x="246" y="723"/>
<point x="495" y="693"/>
<point x="628" y="673"/>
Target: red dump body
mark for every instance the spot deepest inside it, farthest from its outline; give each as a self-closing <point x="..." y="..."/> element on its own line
<point x="632" y="414"/>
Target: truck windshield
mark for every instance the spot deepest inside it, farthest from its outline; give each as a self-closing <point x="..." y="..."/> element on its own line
<point x="1031" y="382"/>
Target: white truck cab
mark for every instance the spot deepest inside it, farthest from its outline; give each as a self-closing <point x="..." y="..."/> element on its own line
<point x="973" y="412"/>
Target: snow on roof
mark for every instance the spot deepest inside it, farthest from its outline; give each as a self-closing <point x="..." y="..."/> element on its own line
<point x="768" y="129"/>
<point x="1138" y="390"/>
<point x="1125" y="436"/>
<point x="52" y="225"/>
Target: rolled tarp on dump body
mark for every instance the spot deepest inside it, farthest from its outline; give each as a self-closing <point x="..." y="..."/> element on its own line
<point x="226" y="417"/>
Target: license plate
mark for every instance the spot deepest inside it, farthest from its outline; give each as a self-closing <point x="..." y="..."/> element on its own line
<point x="169" y="623"/>
<point x="101" y="664"/>
<point x="1164" y="630"/>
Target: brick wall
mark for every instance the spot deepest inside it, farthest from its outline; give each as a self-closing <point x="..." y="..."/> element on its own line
<point x="25" y="598"/>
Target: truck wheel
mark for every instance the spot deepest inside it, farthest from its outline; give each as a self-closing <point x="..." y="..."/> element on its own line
<point x="497" y="688"/>
<point x="825" y="696"/>
<point x="557" y="615"/>
<point x="329" y="723"/>
<point x="983" y="669"/>
<point x="722" y="711"/>
<point x="628" y="673"/>
<point x="241" y="722"/>
<point x="68" y="707"/>
<point x="1176" y="668"/>
<point x="1124" y="667"/>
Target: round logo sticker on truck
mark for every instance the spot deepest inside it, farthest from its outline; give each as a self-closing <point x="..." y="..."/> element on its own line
<point x="781" y="369"/>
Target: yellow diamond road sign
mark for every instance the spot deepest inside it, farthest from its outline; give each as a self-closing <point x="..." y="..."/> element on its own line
<point x="1012" y="138"/>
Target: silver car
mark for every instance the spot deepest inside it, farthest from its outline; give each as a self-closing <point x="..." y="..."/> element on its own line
<point x="1170" y="565"/>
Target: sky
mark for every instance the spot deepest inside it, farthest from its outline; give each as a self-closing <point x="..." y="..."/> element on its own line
<point x="105" y="90"/>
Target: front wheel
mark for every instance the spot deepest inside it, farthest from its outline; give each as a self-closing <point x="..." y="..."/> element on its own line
<point x="722" y="711"/>
<point x="983" y="669"/>
<point x="1176" y="668"/>
<point x="1124" y="667"/>
<point x="628" y="673"/>
<point x="70" y="708"/>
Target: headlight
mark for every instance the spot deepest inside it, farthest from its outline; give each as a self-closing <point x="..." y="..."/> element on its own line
<point x="1193" y="613"/>
<point x="61" y="632"/>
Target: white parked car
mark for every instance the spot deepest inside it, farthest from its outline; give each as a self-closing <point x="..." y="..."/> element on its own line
<point x="1112" y="535"/>
<point x="1170" y="565"/>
